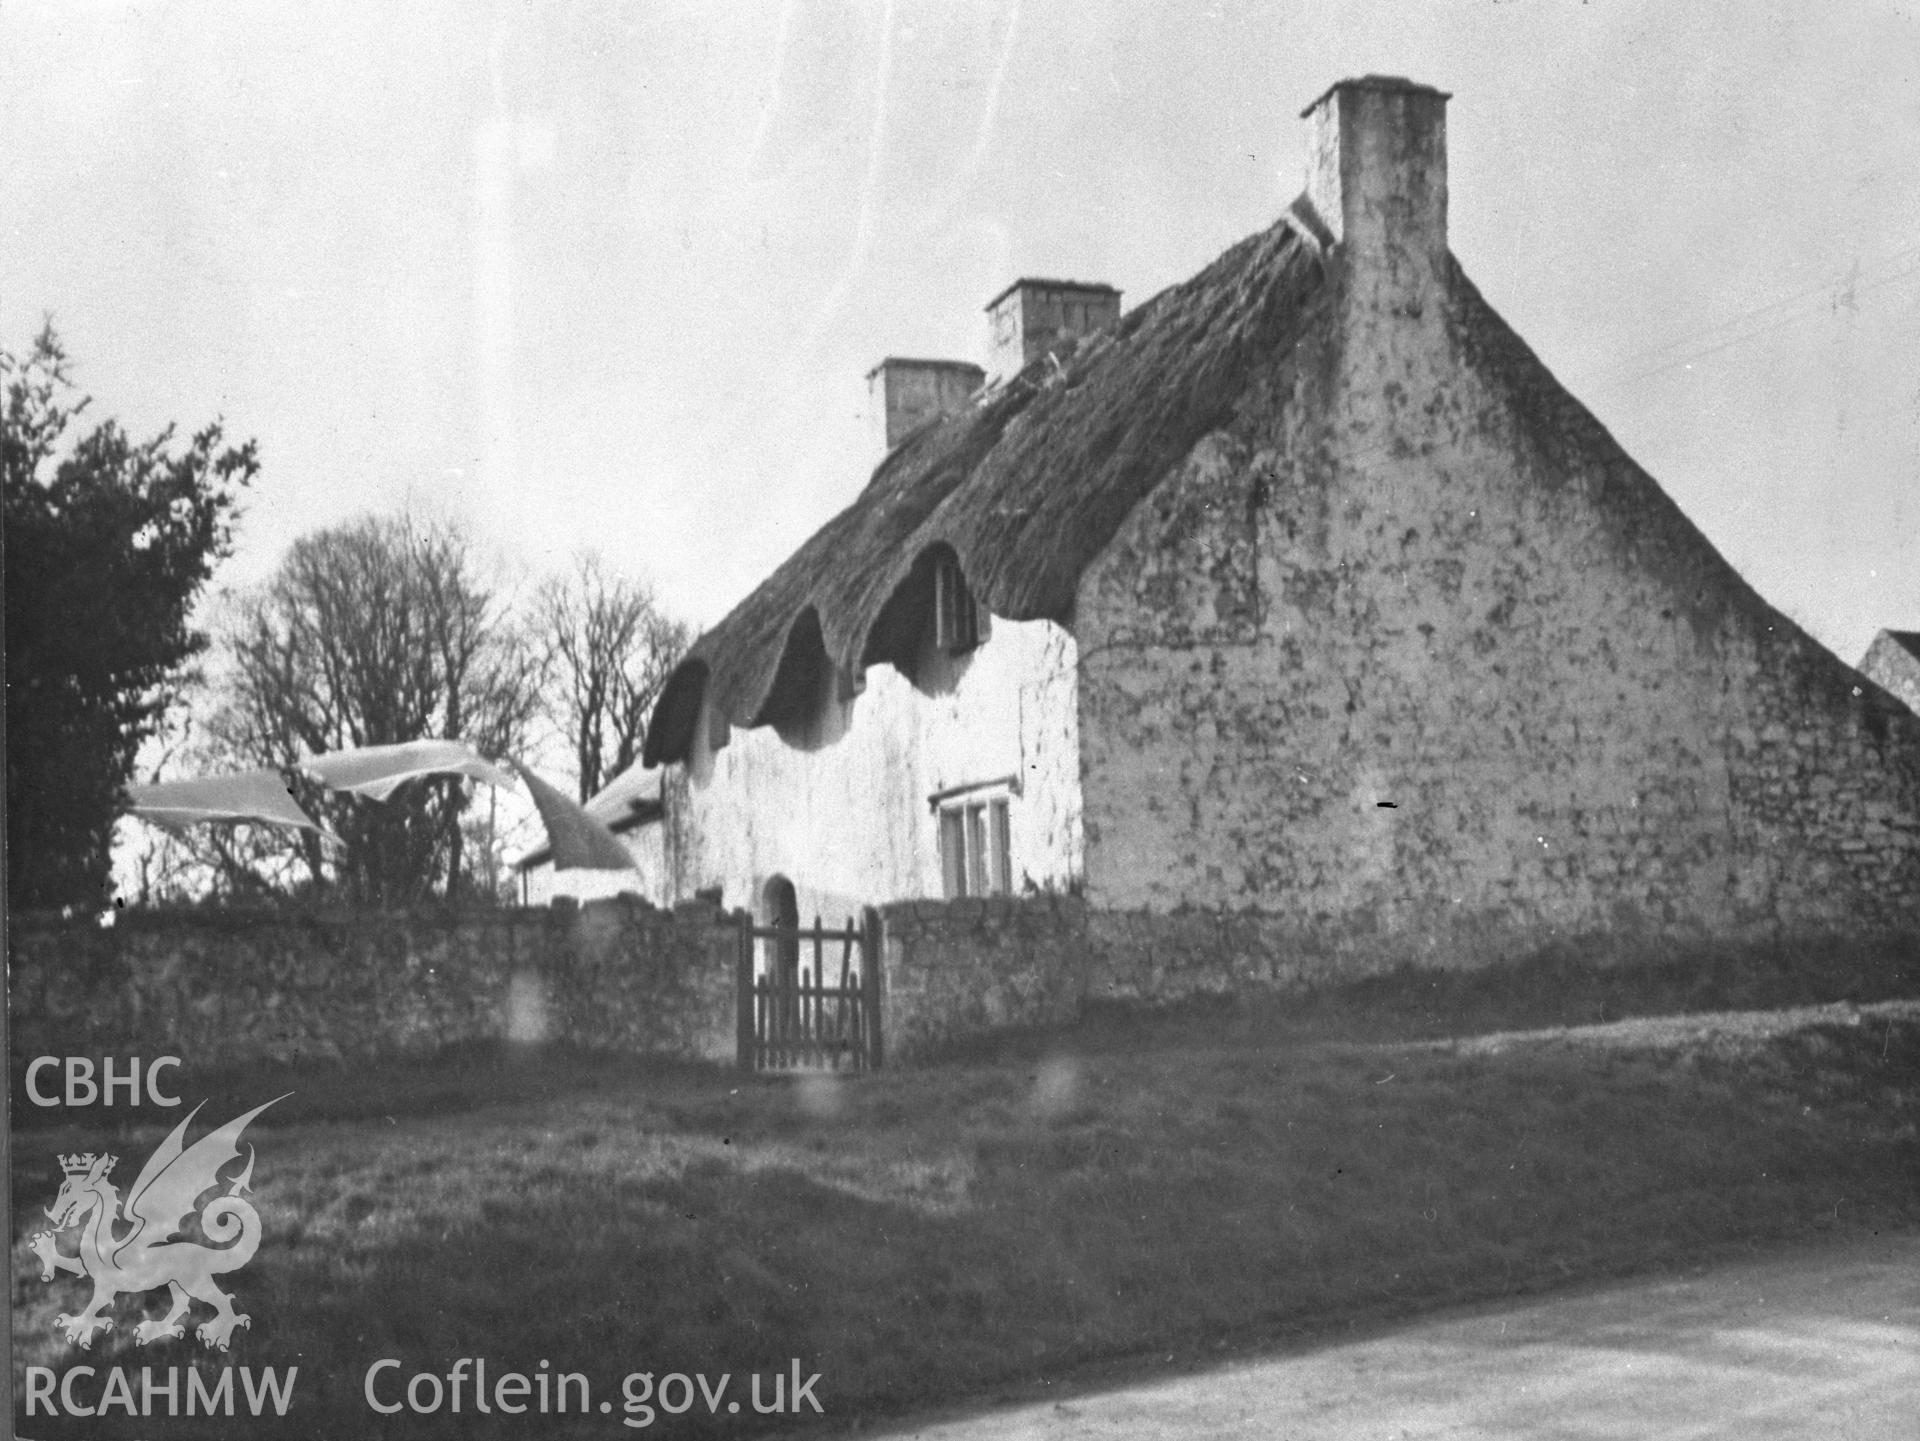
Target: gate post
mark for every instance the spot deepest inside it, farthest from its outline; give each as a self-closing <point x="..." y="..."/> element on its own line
<point x="873" y="942"/>
<point x="743" y="1036"/>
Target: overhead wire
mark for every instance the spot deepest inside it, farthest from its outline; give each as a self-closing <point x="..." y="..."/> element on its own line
<point x="1634" y="368"/>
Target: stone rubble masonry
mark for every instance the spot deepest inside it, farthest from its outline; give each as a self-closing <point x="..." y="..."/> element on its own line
<point x="1410" y="662"/>
<point x="970" y="967"/>
<point x="236" y="987"/>
<point x="231" y="988"/>
<point x="966" y="967"/>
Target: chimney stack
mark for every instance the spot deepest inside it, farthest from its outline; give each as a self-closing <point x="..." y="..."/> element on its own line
<point x="1377" y="168"/>
<point x="1031" y="317"/>
<point x="902" y="395"/>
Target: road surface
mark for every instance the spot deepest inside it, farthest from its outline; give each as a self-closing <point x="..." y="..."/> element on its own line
<point x="1820" y="1342"/>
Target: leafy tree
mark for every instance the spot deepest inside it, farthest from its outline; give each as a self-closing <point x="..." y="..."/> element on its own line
<point x="108" y="543"/>
<point x="377" y="632"/>
<point x="612" y="647"/>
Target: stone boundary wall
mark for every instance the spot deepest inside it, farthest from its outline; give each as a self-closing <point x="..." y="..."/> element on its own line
<point x="964" y="967"/>
<point x="967" y="967"/>
<point x="956" y="969"/>
<point x="232" y="987"/>
<point x="235" y="987"/>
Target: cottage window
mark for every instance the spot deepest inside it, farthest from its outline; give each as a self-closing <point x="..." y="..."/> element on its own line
<point x="975" y="855"/>
<point x="959" y="623"/>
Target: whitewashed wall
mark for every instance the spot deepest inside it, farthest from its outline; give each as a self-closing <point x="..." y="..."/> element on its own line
<point x="842" y="811"/>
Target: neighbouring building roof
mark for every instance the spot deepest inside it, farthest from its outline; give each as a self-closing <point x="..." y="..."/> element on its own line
<point x="1893" y="663"/>
<point x="1025" y="488"/>
<point x="627" y="802"/>
<point x="1907" y="640"/>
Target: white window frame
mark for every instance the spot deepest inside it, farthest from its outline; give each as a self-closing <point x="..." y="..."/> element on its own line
<point x="974" y="832"/>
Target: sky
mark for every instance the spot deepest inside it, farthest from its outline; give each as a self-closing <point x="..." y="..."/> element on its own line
<point x="604" y="275"/>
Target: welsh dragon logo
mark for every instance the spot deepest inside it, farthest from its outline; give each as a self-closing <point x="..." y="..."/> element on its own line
<point x="149" y="1256"/>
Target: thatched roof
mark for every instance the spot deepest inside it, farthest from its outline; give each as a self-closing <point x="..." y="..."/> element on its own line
<point x="1026" y="488"/>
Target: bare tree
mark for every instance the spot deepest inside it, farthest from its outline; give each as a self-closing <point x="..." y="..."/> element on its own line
<point x="378" y="632"/>
<point x="612" y="648"/>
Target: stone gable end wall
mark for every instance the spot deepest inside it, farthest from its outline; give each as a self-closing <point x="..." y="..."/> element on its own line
<point x="1411" y="663"/>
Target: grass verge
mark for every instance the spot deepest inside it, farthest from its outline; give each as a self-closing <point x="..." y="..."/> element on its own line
<point x="1154" y="1188"/>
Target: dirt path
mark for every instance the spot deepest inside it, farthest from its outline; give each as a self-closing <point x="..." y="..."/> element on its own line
<point x="1821" y="1342"/>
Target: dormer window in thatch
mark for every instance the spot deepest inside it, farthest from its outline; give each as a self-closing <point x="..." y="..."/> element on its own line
<point x="803" y="703"/>
<point x="959" y="622"/>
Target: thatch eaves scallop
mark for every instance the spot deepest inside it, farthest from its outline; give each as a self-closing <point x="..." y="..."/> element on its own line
<point x="1027" y="486"/>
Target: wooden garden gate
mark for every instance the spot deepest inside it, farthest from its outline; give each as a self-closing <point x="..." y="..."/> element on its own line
<point x="808" y="998"/>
